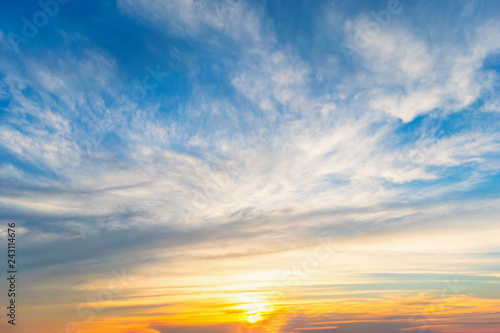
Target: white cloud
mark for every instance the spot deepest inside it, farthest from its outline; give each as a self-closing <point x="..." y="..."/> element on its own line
<point x="410" y="77"/>
<point x="196" y="18"/>
<point x="325" y="153"/>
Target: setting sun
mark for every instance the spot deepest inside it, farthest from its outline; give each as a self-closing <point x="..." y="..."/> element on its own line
<point x="255" y="308"/>
<point x="253" y="318"/>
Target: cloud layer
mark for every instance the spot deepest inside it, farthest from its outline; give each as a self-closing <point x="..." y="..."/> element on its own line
<point x="208" y="148"/>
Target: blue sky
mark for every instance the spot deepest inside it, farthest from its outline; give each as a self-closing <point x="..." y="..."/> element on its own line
<point x="159" y="135"/>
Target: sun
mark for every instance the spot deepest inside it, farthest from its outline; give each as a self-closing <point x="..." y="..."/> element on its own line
<point x="254" y="308"/>
<point x="253" y="318"/>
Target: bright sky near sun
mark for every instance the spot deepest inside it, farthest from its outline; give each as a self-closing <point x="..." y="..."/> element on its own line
<point x="236" y="166"/>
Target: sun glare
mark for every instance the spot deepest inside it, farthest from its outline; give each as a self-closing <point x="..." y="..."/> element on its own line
<point x="255" y="308"/>
<point x="253" y="318"/>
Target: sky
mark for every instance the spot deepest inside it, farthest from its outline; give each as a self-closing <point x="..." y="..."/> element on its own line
<point x="234" y="166"/>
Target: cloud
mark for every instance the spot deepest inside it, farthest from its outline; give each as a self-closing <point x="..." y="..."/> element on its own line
<point x="221" y="190"/>
<point x="412" y="77"/>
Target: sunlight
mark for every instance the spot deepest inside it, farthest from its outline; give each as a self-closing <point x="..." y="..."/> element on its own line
<point x="253" y="318"/>
<point x="255" y="308"/>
